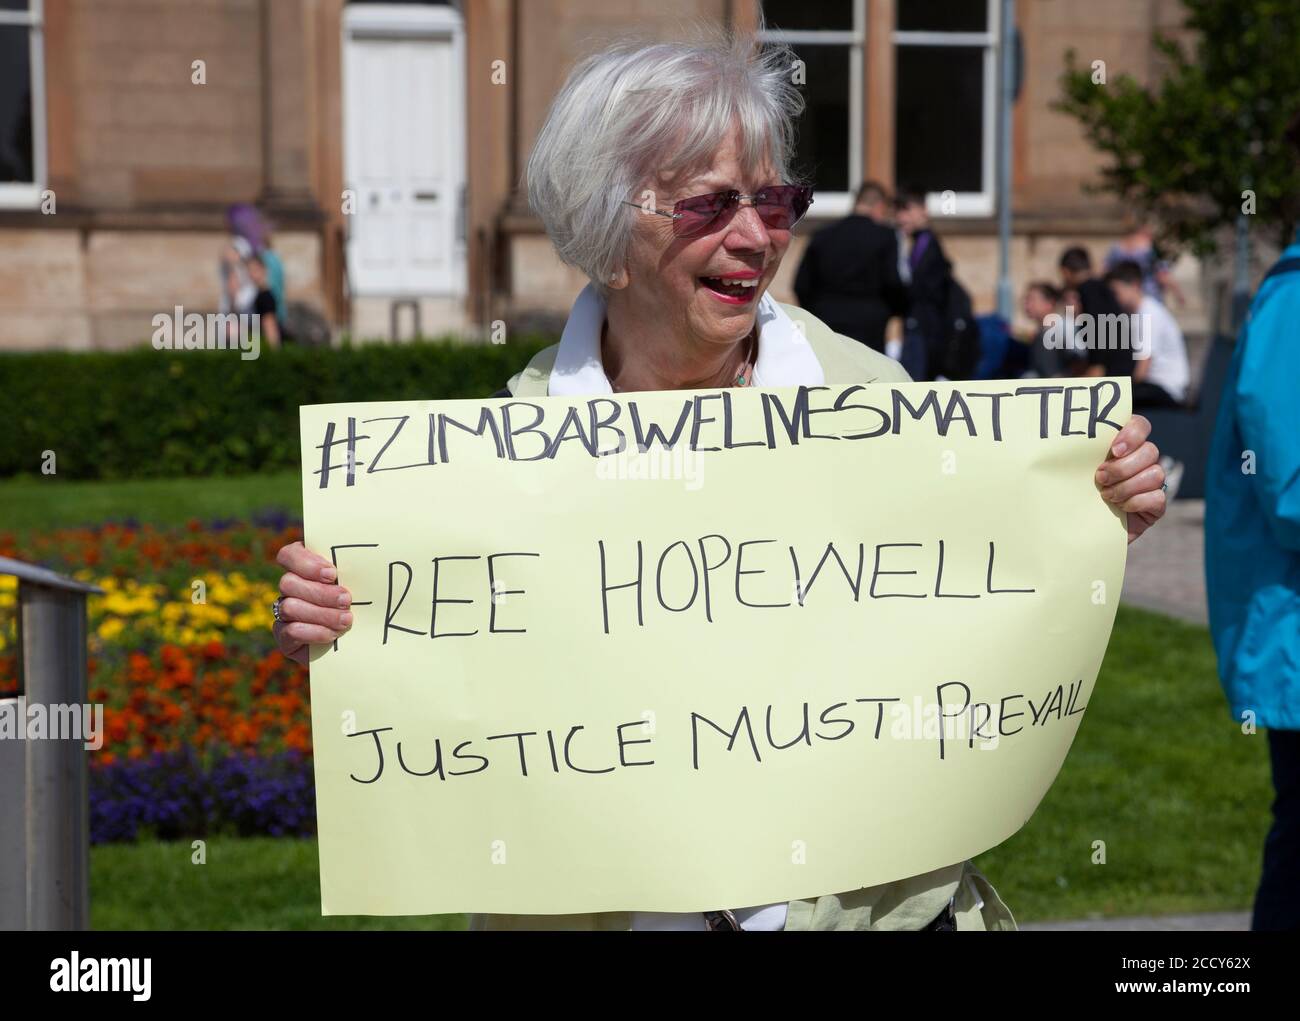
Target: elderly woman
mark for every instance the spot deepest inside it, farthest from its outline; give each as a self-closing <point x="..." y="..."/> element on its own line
<point x="662" y="172"/>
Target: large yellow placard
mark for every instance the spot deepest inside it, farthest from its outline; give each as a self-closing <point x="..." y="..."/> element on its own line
<point x="688" y="650"/>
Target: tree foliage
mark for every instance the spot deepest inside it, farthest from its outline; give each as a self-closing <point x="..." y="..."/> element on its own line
<point x="1214" y="126"/>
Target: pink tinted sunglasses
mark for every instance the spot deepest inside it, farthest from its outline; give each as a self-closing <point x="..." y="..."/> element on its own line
<point x="779" y="206"/>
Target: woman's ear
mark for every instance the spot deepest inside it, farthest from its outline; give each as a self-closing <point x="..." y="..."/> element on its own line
<point x="618" y="280"/>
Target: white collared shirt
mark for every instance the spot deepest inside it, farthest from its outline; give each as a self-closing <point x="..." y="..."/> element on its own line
<point x="785" y="358"/>
<point x="1167" y="349"/>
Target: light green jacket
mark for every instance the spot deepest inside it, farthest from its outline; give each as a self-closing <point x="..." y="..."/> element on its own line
<point x="907" y="904"/>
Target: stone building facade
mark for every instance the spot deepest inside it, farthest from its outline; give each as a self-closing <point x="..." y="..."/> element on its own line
<point x="385" y="142"/>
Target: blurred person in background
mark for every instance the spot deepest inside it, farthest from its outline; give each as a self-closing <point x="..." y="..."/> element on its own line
<point x="1252" y="563"/>
<point x="1085" y="295"/>
<point x="1042" y="300"/>
<point x="264" y="306"/>
<point x="927" y="269"/>
<point x="848" y="277"/>
<point x="939" y="332"/>
<point x="1161" y="371"/>
<point x="1162" y="374"/>
<point x="237" y="288"/>
<point x="1138" y="245"/>
<point x="1252" y="558"/>
<point x="250" y="235"/>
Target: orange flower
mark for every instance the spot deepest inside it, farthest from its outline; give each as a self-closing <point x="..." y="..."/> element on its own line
<point x="140" y="669"/>
<point x="298" y="737"/>
<point x="116" y="725"/>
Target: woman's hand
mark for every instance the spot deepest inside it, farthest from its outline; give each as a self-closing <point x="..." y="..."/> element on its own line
<point x="314" y="610"/>
<point x="1131" y="477"/>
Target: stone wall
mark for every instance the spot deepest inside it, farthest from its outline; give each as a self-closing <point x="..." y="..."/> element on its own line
<point x="142" y="132"/>
<point x="64" y="288"/>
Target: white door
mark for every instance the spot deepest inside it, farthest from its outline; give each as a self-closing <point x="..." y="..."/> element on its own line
<point x="404" y="158"/>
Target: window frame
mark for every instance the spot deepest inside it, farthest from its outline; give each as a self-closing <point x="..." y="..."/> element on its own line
<point x="838" y="203"/>
<point x="20" y="194"/>
<point x="968" y="204"/>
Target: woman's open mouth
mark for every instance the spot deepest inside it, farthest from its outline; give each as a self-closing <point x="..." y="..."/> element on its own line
<point x="732" y="290"/>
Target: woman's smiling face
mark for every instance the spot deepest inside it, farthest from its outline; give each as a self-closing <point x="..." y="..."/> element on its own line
<point x="666" y="275"/>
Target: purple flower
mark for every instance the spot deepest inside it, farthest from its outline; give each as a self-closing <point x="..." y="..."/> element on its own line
<point x="172" y="796"/>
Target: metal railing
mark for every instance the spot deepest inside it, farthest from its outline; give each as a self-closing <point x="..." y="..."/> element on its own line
<point x="44" y="802"/>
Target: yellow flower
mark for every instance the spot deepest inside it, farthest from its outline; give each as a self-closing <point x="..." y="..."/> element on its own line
<point x="251" y="621"/>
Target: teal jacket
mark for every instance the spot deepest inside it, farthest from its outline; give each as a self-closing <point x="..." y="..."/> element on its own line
<point x="1252" y="510"/>
<point x="275" y="282"/>
<point x="907" y="904"/>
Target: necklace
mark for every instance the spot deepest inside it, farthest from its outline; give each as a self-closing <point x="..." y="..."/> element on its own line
<point x="744" y="377"/>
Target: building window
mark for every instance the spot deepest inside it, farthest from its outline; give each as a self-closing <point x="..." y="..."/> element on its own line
<point x="945" y="94"/>
<point x="827" y="37"/>
<point x="22" y="104"/>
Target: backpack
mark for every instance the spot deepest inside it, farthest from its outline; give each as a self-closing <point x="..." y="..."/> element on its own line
<point x="959" y="346"/>
<point x="304" y="325"/>
<point x="1000" y="356"/>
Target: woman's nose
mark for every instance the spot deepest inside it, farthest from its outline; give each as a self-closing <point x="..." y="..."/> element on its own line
<point x="747" y="228"/>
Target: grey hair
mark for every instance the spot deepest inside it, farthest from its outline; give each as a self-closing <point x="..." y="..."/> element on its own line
<point x="634" y="111"/>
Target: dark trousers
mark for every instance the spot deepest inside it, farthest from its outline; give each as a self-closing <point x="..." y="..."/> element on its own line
<point x="1150" y="395"/>
<point x="915" y="356"/>
<point x="1277" y="903"/>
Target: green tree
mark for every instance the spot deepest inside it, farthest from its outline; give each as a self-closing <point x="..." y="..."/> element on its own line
<point x="1213" y="127"/>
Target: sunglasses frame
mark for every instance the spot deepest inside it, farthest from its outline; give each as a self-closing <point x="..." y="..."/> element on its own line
<point x="733" y="201"/>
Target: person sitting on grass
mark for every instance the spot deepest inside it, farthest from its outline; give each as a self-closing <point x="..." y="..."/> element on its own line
<point x="1161" y="374"/>
<point x="1041" y="301"/>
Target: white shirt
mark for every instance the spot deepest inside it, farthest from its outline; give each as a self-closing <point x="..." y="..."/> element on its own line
<point x="785" y="358"/>
<point x="1169" y="366"/>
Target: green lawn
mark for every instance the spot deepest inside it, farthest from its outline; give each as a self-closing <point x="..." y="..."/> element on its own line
<point x="1162" y="775"/>
<point x="254" y="883"/>
<point x="1159" y="772"/>
<point x="52" y="503"/>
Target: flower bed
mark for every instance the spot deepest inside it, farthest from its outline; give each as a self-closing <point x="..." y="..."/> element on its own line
<point x="206" y="726"/>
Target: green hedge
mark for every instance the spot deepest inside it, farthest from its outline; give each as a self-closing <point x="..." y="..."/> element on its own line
<point x="145" y="413"/>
